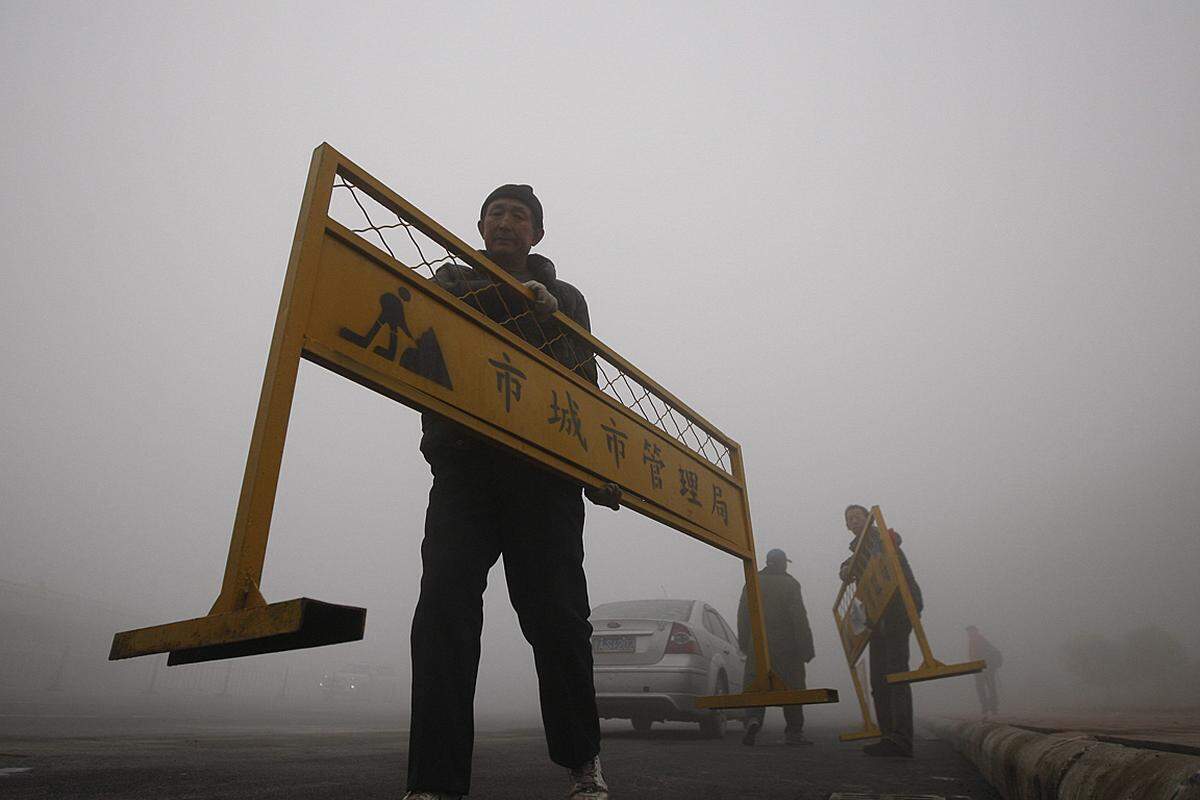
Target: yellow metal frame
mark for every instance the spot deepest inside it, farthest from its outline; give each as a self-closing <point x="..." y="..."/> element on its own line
<point x="330" y="272"/>
<point x="885" y="578"/>
<point x="869" y="730"/>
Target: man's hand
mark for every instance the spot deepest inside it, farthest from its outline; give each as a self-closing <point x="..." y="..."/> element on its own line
<point x="544" y="303"/>
<point x="608" y="495"/>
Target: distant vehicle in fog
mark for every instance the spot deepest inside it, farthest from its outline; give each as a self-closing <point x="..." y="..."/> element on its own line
<point x="653" y="658"/>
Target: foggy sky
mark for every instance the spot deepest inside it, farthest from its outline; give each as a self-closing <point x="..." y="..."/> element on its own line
<point x="939" y="257"/>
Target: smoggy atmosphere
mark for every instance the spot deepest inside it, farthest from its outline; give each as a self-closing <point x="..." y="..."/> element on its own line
<point x="943" y="258"/>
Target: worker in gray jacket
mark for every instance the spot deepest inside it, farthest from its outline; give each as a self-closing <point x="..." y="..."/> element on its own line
<point x="789" y="641"/>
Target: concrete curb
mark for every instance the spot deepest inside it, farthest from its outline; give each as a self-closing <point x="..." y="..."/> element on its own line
<point x="1026" y="765"/>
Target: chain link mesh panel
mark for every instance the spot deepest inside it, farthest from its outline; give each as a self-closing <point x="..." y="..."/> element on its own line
<point x="387" y="229"/>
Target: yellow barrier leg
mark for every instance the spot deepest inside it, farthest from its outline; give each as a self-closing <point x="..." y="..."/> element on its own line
<point x="931" y="668"/>
<point x="241" y="622"/>
<point x="869" y="729"/>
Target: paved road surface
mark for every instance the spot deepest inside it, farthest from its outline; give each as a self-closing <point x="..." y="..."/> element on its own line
<point x="671" y="763"/>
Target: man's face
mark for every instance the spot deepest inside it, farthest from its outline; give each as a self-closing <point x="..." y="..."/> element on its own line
<point x="507" y="228"/>
<point x="856" y="520"/>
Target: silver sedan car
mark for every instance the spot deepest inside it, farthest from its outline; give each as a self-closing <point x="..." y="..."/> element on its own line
<point x="653" y="658"/>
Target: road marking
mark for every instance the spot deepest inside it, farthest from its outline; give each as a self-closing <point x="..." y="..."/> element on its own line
<point x="6" y="771"/>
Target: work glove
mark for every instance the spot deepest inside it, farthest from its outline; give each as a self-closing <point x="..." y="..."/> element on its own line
<point x="544" y="303"/>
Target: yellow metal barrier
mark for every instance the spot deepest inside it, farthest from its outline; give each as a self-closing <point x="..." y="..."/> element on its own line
<point x="484" y="361"/>
<point x="874" y="579"/>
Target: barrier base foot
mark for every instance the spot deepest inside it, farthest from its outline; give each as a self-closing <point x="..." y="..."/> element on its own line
<point x="870" y="733"/>
<point x="776" y="697"/>
<point x="929" y="673"/>
<point x="289" y="625"/>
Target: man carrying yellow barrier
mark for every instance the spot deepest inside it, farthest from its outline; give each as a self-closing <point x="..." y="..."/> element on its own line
<point x="888" y="645"/>
<point x="502" y="350"/>
<point x="878" y="607"/>
<point x="485" y="504"/>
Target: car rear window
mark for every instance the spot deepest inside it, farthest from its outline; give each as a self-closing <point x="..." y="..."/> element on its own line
<point x="645" y="609"/>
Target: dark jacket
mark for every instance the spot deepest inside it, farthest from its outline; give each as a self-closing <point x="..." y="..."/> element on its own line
<point x="505" y="305"/>
<point x="789" y="636"/>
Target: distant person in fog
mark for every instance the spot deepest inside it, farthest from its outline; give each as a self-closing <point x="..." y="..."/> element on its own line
<point x="888" y="646"/>
<point x="789" y="641"/>
<point x="985" y="682"/>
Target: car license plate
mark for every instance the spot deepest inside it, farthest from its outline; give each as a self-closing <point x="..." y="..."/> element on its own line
<point x="614" y="644"/>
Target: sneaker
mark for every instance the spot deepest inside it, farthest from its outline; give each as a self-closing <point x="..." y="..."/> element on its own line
<point x="796" y="740"/>
<point x="752" y="729"/>
<point x="587" y="782"/>
<point x="431" y="796"/>
<point x="885" y="748"/>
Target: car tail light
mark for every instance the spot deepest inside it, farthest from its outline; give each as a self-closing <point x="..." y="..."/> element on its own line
<point x="681" y="640"/>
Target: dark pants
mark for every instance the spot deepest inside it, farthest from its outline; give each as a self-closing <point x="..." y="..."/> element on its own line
<point x="893" y="701"/>
<point x="794" y="677"/>
<point x="484" y="505"/>
<point x="985" y="687"/>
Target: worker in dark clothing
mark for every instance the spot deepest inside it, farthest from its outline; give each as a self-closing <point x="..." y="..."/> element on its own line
<point x="486" y="503"/>
<point x="888" y="646"/>
<point x="985" y="682"/>
<point x="789" y="642"/>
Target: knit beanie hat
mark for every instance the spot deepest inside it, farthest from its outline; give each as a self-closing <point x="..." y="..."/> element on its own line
<point x="522" y="192"/>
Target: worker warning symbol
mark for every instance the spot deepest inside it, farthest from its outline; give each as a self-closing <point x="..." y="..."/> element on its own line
<point x="423" y="356"/>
